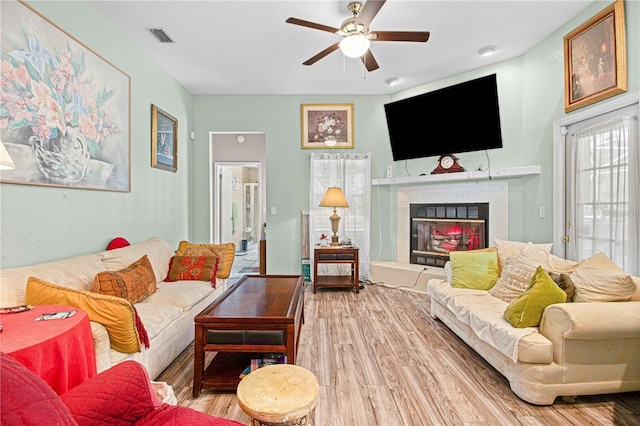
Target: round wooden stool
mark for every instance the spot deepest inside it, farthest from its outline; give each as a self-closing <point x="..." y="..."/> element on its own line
<point x="281" y="394"/>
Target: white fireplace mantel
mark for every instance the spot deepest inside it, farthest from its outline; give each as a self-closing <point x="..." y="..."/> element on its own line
<point x="476" y="175"/>
<point x="496" y="193"/>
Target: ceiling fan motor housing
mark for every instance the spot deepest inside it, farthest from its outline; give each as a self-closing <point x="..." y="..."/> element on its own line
<point x="349" y="26"/>
<point x="355" y="7"/>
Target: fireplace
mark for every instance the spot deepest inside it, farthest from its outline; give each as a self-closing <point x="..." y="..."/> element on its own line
<point x="437" y="229"/>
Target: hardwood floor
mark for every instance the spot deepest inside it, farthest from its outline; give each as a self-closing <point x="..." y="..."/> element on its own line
<point x="382" y="360"/>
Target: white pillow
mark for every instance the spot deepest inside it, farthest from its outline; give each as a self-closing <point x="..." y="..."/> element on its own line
<point x="536" y="256"/>
<point x="507" y="249"/>
<point x="514" y="280"/>
<point x="598" y="279"/>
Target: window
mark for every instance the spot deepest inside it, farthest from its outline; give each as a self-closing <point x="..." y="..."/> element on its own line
<point x="602" y="184"/>
<point x="352" y="173"/>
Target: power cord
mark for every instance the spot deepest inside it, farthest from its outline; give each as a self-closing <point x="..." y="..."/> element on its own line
<point x="382" y="284"/>
<point x="480" y="169"/>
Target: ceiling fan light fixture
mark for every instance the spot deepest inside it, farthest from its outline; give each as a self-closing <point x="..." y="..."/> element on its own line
<point x="487" y="50"/>
<point x="354" y="45"/>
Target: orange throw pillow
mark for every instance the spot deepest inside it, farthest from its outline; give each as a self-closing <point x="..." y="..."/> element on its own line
<point x="133" y="283"/>
<point x="226" y="253"/>
<point x="193" y="268"/>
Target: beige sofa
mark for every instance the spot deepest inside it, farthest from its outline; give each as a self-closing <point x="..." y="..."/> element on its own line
<point x="167" y="314"/>
<point x="580" y="348"/>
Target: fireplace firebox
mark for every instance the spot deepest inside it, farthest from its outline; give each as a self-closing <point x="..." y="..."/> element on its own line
<point x="438" y="229"/>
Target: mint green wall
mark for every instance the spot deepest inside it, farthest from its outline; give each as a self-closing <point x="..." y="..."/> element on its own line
<point x="287" y="163"/>
<point x="531" y="99"/>
<point x="39" y="224"/>
<point x="531" y="92"/>
<point x="42" y="223"/>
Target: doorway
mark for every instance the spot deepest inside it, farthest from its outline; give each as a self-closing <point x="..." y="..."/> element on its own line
<point x="238" y="215"/>
<point x="238" y="192"/>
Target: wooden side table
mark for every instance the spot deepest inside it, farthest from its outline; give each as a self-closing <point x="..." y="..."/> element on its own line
<point x="336" y="255"/>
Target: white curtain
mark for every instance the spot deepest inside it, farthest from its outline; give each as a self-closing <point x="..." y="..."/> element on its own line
<point x="604" y="200"/>
<point x="352" y="173"/>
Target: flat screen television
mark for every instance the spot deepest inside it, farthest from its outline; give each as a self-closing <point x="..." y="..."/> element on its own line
<point x="460" y="118"/>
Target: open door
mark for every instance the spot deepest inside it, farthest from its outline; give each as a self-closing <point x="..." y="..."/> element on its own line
<point x="227" y="218"/>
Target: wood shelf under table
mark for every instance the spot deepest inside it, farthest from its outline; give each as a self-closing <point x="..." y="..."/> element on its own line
<point x="223" y="372"/>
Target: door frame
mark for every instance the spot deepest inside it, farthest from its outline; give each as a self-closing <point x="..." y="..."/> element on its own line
<point x="559" y="158"/>
<point x="215" y="218"/>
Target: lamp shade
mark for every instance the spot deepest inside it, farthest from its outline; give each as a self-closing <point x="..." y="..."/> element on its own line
<point x="6" y="163"/>
<point x="334" y="197"/>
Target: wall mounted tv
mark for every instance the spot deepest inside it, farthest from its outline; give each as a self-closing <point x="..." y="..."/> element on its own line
<point x="460" y="118"/>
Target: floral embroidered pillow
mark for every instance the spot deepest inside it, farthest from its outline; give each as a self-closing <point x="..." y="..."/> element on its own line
<point x="193" y="268"/>
<point x="226" y="253"/>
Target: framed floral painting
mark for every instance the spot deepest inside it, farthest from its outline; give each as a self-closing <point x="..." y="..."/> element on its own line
<point x="64" y="115"/>
<point x="595" y="59"/>
<point x="327" y="126"/>
<point x="164" y="140"/>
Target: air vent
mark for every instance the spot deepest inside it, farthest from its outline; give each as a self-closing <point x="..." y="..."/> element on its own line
<point x="160" y="35"/>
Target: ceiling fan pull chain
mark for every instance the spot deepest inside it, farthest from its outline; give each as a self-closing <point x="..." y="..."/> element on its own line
<point x="344" y="73"/>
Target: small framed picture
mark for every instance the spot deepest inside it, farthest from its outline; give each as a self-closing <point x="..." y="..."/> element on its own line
<point x="164" y="140"/>
<point x="595" y="59"/>
<point x="327" y="126"/>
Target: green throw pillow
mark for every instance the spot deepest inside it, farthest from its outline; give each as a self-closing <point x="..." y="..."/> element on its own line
<point x="526" y="311"/>
<point x="474" y="269"/>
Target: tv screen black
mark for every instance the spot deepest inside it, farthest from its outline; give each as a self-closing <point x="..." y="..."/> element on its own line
<point x="460" y="118"/>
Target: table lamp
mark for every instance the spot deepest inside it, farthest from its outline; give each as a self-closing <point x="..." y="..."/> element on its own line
<point x="334" y="197"/>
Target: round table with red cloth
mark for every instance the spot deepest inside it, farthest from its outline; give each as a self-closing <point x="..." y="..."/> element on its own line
<point x="60" y="351"/>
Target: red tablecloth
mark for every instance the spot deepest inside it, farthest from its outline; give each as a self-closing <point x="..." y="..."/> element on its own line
<point x="60" y="351"/>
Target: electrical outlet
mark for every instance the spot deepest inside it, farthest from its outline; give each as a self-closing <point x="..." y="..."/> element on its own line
<point x="542" y="212"/>
<point x="389" y="172"/>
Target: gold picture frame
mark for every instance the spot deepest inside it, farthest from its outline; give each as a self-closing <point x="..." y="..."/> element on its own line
<point x="595" y="59"/>
<point x="327" y="126"/>
<point x="74" y="131"/>
<point x="164" y="140"/>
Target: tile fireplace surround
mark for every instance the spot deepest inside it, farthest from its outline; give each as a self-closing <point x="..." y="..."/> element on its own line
<point x="494" y="193"/>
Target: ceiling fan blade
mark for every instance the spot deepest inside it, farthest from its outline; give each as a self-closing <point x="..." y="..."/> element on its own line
<point x="313" y="25"/>
<point x="322" y="54"/>
<point x="369" y="61"/>
<point x="369" y="11"/>
<point x="418" y="36"/>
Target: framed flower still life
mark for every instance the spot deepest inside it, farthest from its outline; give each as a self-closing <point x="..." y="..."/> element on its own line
<point x="64" y="115"/>
<point x="595" y="59"/>
<point x="327" y="126"/>
<point x="164" y="140"/>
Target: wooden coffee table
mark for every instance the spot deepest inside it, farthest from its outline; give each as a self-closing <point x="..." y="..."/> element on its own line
<point x="258" y="314"/>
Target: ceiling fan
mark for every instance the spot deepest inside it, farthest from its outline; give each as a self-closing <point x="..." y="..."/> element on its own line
<point x="357" y="36"/>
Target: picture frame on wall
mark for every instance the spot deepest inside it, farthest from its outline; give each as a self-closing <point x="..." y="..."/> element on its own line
<point x="595" y="59"/>
<point x="164" y="140"/>
<point x="327" y="126"/>
<point x="66" y="114"/>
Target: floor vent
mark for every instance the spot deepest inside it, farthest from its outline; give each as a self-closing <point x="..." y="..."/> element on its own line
<point x="160" y="35"/>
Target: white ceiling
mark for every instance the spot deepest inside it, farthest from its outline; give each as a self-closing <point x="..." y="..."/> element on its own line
<point x="245" y="47"/>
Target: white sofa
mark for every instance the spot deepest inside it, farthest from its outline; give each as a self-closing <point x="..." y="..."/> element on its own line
<point x="581" y="348"/>
<point x="167" y="315"/>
